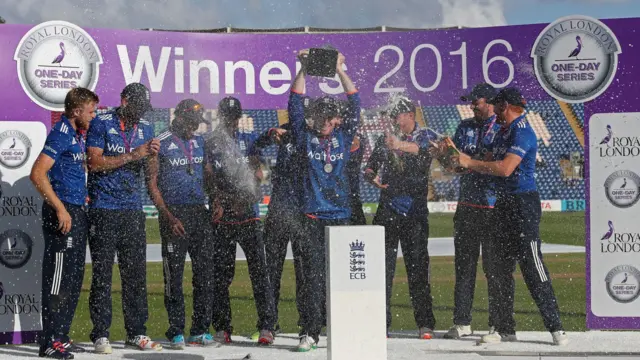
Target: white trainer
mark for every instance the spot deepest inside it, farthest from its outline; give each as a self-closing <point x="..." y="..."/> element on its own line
<point x="102" y="346"/>
<point x="142" y="342"/>
<point x="560" y="338"/>
<point x="494" y="337"/>
<point x="458" y="331"/>
<point x="306" y="344"/>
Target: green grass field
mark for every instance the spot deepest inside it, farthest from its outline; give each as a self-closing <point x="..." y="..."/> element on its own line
<point x="567" y="272"/>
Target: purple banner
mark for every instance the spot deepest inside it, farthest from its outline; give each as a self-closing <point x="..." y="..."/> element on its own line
<point x="435" y="67"/>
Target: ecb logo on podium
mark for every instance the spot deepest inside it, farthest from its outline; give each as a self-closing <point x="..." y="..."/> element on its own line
<point x="357" y="262"/>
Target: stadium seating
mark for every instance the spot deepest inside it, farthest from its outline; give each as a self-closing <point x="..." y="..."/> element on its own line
<point x="556" y="141"/>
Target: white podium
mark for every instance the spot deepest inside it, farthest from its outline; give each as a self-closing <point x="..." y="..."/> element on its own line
<point x="356" y="312"/>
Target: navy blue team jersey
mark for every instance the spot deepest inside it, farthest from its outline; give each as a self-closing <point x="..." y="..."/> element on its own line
<point x="476" y="140"/>
<point x="519" y="139"/>
<point x="67" y="175"/>
<point x="181" y="169"/>
<point x="326" y="188"/>
<point x="408" y="186"/>
<point x="117" y="189"/>
<point x="234" y="177"/>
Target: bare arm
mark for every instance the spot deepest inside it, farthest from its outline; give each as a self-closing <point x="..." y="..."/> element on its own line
<point x="41" y="181"/>
<point x="404" y="146"/>
<point x="347" y="84"/>
<point x="299" y="81"/>
<point x="151" y="172"/>
<point x="98" y="162"/>
<point x="152" y="184"/>
<point x="502" y="168"/>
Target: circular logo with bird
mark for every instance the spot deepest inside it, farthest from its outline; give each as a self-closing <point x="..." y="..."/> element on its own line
<point x="576" y="58"/>
<point x="15" y="248"/>
<point x="53" y="58"/>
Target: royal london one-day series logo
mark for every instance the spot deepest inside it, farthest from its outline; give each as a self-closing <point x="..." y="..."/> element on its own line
<point x="15" y="148"/>
<point x="54" y="57"/>
<point x="622" y="188"/>
<point x="622" y="283"/>
<point x="576" y="58"/>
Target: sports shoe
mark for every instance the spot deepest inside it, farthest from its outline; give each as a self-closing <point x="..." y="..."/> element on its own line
<point x="255" y="336"/>
<point x="73" y="348"/>
<point x="203" y="340"/>
<point x="306" y="344"/>
<point x="494" y="337"/>
<point x="425" y="333"/>
<point x="102" y="346"/>
<point x="223" y="337"/>
<point x="560" y="338"/>
<point x="458" y="331"/>
<point x="55" y="350"/>
<point x="142" y="342"/>
<point x="177" y="343"/>
<point x="266" y="337"/>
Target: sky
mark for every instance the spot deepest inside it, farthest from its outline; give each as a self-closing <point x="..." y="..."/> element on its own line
<point x="207" y="14"/>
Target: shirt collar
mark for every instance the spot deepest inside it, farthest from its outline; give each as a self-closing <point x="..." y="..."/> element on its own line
<point x="66" y="121"/>
<point x="517" y="120"/>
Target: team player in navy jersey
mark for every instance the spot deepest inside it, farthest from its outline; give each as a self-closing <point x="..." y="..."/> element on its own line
<point x="177" y="189"/>
<point x="235" y="196"/>
<point x="324" y="146"/>
<point x="119" y="143"/>
<point x="473" y="223"/>
<point x="283" y="221"/>
<point x="60" y="177"/>
<point x="517" y="213"/>
<point x="399" y="166"/>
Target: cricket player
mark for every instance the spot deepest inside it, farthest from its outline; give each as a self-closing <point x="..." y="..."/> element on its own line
<point x="473" y="220"/>
<point x="400" y="166"/>
<point x="324" y="135"/>
<point x="517" y="219"/>
<point x="283" y="221"/>
<point x="59" y="175"/>
<point x="118" y="146"/>
<point x="177" y="189"/>
<point x="234" y="157"/>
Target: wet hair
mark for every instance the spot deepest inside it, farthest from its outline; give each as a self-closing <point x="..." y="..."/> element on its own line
<point x="78" y="97"/>
<point x="321" y="110"/>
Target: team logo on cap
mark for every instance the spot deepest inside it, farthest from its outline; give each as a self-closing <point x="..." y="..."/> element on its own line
<point x="54" y="57"/>
<point x="576" y="58"/>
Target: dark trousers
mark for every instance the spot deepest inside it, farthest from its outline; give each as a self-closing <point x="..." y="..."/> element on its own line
<point x="518" y="240"/>
<point x="412" y="233"/>
<point x="281" y="227"/>
<point x="249" y="236"/>
<point x="62" y="271"/>
<point x="474" y="227"/>
<point x="121" y="233"/>
<point x="198" y="242"/>
<point x="313" y="271"/>
<point x="357" y="214"/>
